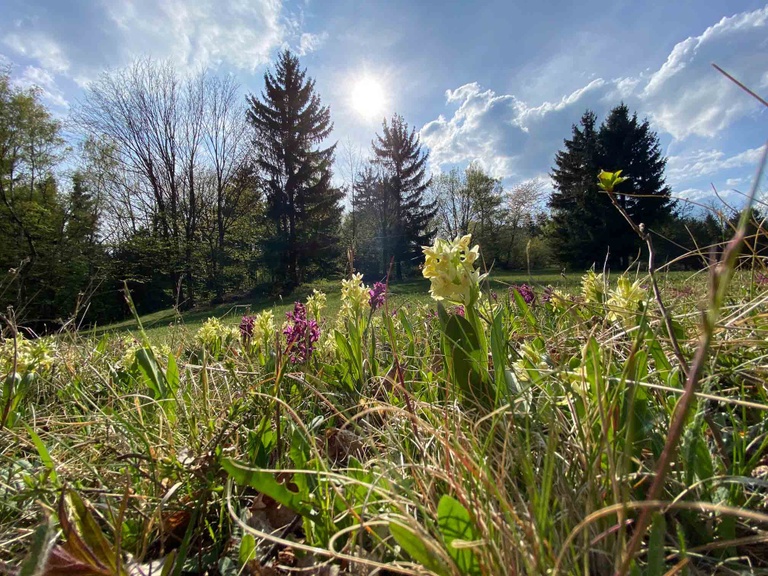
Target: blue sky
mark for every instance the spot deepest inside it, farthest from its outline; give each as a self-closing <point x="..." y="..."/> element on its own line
<point x="500" y="83"/>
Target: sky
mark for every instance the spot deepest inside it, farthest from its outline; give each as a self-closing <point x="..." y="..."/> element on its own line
<point x="499" y="83"/>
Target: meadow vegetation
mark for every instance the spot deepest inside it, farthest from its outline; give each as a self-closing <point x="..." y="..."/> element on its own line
<point x="480" y="428"/>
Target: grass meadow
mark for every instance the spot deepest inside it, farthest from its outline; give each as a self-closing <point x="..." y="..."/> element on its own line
<point x="580" y="424"/>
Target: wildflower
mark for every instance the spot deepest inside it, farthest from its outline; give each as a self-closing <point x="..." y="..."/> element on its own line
<point x="316" y="303"/>
<point x="300" y="334"/>
<point x="761" y="278"/>
<point x="354" y="296"/>
<point x="525" y="291"/>
<point x="593" y="287"/>
<point x="625" y="301"/>
<point x="213" y="335"/>
<point x="459" y="310"/>
<point x="378" y="295"/>
<point x="265" y="323"/>
<point x="246" y="328"/>
<point x="451" y="271"/>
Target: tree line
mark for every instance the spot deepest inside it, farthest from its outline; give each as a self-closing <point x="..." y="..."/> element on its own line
<point x="190" y="193"/>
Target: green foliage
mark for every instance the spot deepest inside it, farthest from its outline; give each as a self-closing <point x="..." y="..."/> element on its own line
<point x="391" y="197"/>
<point x="303" y="207"/>
<point x="586" y="227"/>
<point x="562" y="412"/>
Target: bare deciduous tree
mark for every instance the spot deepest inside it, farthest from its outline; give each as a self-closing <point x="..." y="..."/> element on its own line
<point x="172" y="149"/>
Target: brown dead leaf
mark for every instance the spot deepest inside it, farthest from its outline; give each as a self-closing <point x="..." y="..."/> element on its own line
<point x="274" y="514"/>
<point x="341" y="444"/>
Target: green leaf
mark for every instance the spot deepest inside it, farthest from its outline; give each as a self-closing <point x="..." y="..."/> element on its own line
<point x="45" y="456"/>
<point x="247" y="549"/>
<point x="417" y="549"/>
<point x="499" y="356"/>
<point x="656" y="546"/>
<point x="408" y="327"/>
<point x="523" y="307"/>
<point x="265" y="483"/>
<point x="353" y="362"/>
<point x="467" y="362"/>
<point x="609" y="180"/>
<point x="172" y="374"/>
<point x="456" y="527"/>
<point x="40" y="550"/>
<point x="87" y="540"/>
<point x="153" y="378"/>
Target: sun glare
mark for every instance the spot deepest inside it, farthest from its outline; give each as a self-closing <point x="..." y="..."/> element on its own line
<point x="368" y="98"/>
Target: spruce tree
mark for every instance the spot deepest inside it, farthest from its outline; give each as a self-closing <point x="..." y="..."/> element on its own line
<point x="402" y="163"/>
<point x="586" y="227"/>
<point x="303" y="207"/>
<point x="631" y="146"/>
<point x="579" y="211"/>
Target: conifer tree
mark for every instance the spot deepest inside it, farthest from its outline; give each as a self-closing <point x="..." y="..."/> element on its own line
<point x="402" y="163"/>
<point x="579" y="211"/>
<point x="586" y="227"/>
<point x="303" y="207"/>
<point x="631" y="146"/>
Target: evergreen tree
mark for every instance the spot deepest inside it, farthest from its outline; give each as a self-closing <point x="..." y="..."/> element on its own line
<point x="579" y="211"/>
<point x="375" y="205"/>
<point x="403" y="175"/>
<point x="631" y="146"/>
<point x="302" y="206"/>
<point x="586" y="227"/>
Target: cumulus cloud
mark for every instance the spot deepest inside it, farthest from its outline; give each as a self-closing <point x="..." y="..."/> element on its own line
<point x="37" y="46"/>
<point x="503" y="134"/>
<point x="684" y="97"/>
<point x="704" y="163"/>
<point x="42" y="80"/>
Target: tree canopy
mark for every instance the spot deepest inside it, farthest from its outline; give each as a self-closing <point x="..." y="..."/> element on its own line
<point x="586" y="228"/>
<point x="303" y="206"/>
<point x="400" y="192"/>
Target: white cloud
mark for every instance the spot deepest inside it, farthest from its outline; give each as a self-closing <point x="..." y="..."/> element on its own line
<point x="236" y="34"/>
<point x="687" y="96"/>
<point x="38" y="46"/>
<point x="241" y="33"/>
<point x="309" y="42"/>
<point x="684" y="97"/>
<point x="703" y="163"/>
<point x="505" y="135"/>
<point x="34" y="77"/>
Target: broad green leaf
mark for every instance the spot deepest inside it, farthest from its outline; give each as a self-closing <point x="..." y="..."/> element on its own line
<point x="85" y="539"/>
<point x="265" y="483"/>
<point x="523" y="307"/>
<point x="172" y="374"/>
<point x="247" y="549"/>
<point x="153" y="378"/>
<point x="417" y="549"/>
<point x="467" y="361"/>
<point x="456" y="527"/>
<point x="45" y="456"/>
<point x="39" y="550"/>
<point x="499" y="355"/>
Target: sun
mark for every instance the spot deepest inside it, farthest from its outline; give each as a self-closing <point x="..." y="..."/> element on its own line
<point x="368" y="97"/>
